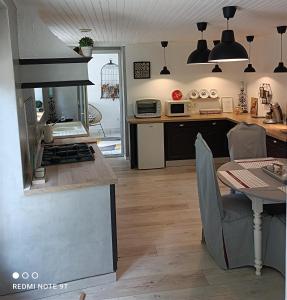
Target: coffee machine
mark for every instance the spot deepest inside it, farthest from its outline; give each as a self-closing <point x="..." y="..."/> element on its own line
<point x="275" y="114"/>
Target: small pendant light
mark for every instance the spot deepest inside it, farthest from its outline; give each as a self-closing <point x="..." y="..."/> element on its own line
<point x="281" y="68"/>
<point x="228" y="49"/>
<point x="216" y="68"/>
<point x="164" y="70"/>
<point x="249" y="68"/>
<point x="201" y="53"/>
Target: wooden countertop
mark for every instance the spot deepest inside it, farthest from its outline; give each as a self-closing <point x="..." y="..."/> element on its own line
<point x="273" y="130"/>
<point x="76" y="175"/>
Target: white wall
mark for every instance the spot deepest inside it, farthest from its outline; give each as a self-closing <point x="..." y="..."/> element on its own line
<point x="109" y="108"/>
<point x="265" y="57"/>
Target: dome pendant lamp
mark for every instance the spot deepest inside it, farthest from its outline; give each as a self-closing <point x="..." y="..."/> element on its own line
<point x="216" y="68"/>
<point x="201" y="53"/>
<point x="164" y="70"/>
<point x="249" y="68"/>
<point x="228" y="49"/>
<point x="281" y="68"/>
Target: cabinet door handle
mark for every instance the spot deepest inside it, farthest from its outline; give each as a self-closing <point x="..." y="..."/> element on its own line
<point x="181" y="125"/>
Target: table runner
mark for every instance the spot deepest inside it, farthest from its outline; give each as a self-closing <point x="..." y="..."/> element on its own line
<point x="241" y="179"/>
<point x="257" y="163"/>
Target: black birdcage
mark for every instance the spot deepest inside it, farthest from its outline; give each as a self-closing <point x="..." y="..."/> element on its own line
<point x="110" y="81"/>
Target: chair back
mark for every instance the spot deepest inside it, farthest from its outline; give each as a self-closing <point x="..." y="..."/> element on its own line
<point x="208" y="189"/>
<point x="210" y="201"/>
<point x="247" y="141"/>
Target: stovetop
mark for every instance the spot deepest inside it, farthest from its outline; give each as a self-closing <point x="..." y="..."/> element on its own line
<point x="67" y="153"/>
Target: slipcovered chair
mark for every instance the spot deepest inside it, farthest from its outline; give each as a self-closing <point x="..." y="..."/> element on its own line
<point x="247" y="141"/>
<point x="275" y="251"/>
<point x="227" y="220"/>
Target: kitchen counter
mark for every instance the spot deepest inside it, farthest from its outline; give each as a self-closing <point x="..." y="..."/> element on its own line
<point x="76" y="175"/>
<point x="273" y="130"/>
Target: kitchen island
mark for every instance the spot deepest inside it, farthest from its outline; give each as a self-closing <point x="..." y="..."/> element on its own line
<point x="68" y="231"/>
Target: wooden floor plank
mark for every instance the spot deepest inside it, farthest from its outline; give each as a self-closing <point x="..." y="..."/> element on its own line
<point x="160" y="250"/>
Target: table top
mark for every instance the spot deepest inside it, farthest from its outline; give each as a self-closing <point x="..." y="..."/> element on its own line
<point x="268" y="194"/>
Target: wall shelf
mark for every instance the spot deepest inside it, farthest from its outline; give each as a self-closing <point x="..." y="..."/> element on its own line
<point x="32" y="85"/>
<point x="48" y="61"/>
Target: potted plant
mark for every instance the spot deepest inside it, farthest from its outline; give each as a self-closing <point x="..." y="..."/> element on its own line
<point x="86" y="45"/>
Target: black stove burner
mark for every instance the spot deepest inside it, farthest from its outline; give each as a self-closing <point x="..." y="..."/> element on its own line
<point x="68" y="153"/>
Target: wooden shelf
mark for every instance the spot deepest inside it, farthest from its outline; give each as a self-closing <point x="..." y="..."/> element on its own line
<point x="31" y="85"/>
<point x="47" y="61"/>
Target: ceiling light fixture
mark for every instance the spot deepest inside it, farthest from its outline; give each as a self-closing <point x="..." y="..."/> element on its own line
<point x="228" y="49"/>
<point x="201" y="53"/>
<point x="281" y="68"/>
<point x="249" y="68"/>
<point x="216" y="68"/>
<point x="164" y="70"/>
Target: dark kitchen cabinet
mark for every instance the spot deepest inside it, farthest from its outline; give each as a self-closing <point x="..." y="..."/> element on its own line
<point x="180" y="138"/>
<point x="276" y="148"/>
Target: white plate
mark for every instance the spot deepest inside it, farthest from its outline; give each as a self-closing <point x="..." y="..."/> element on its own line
<point x="203" y="93"/>
<point x="193" y="94"/>
<point x="213" y="93"/>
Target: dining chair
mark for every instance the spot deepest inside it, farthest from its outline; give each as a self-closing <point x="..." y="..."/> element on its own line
<point x="247" y="141"/>
<point x="227" y="219"/>
<point x="275" y="251"/>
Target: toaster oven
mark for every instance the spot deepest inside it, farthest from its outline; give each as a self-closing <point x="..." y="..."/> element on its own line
<point x="147" y="108"/>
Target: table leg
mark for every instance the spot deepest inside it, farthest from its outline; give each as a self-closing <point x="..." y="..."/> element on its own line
<point x="257" y="208"/>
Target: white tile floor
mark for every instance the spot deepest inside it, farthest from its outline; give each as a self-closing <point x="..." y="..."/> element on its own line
<point x="110" y="144"/>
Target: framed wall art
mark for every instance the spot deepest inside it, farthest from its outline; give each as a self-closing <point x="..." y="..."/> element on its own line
<point x="227" y="104"/>
<point x="141" y="69"/>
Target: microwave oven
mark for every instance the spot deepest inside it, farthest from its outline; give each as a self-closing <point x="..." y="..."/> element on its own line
<point x="178" y="108"/>
<point x="147" y="108"/>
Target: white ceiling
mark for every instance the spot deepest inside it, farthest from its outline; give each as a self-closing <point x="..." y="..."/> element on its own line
<point x="119" y="22"/>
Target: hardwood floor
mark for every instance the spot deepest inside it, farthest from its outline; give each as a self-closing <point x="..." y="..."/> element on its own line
<point x="160" y="250"/>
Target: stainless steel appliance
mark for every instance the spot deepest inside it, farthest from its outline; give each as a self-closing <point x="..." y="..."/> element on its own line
<point x="178" y="108"/>
<point x="67" y="153"/>
<point x="147" y="108"/>
<point x="275" y="114"/>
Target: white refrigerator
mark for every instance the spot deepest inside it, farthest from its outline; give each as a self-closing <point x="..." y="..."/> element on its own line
<point x="150" y="146"/>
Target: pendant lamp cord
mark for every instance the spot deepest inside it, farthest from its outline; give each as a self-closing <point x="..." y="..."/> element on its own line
<point x="249" y="52"/>
<point x="281" y="47"/>
<point x="227" y="23"/>
<point x="164" y="56"/>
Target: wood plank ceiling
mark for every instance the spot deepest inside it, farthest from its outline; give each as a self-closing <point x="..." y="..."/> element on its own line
<point x="120" y="22"/>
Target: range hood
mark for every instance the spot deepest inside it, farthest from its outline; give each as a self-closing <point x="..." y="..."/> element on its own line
<point x="45" y="60"/>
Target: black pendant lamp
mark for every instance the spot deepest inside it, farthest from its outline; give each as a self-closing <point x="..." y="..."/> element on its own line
<point x="201" y="53"/>
<point x="281" y="68"/>
<point x="164" y="70"/>
<point x="228" y="49"/>
<point x="216" y="68"/>
<point x="249" y="68"/>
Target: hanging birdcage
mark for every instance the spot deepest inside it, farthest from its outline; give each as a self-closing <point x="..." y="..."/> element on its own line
<point x="110" y="81"/>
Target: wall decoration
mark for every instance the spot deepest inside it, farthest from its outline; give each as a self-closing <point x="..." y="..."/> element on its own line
<point x="242" y="99"/>
<point x="141" y="69"/>
<point x="110" y="85"/>
<point x="227" y="104"/>
<point x="254" y="107"/>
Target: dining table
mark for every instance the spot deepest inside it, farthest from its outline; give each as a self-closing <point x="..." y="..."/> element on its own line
<point x="248" y="177"/>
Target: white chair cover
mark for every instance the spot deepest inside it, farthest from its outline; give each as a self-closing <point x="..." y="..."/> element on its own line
<point x="227" y="220"/>
<point x="275" y="252"/>
<point x="247" y="141"/>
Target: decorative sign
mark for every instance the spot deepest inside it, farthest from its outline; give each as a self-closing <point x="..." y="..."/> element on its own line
<point x="141" y="70"/>
<point x="254" y="107"/>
